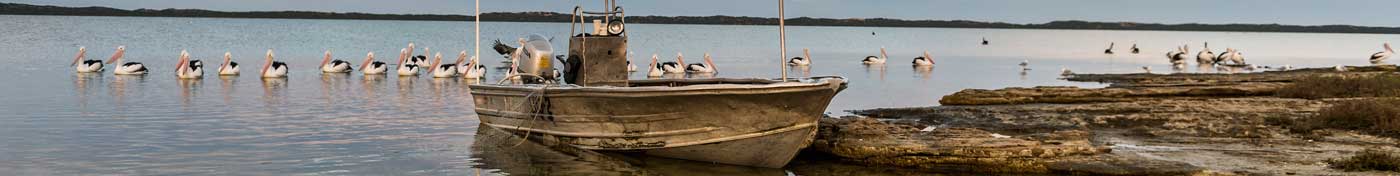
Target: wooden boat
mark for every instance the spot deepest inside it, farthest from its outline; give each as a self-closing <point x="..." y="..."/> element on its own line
<point x="753" y="122"/>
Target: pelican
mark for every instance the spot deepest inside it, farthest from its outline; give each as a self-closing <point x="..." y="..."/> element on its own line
<point x="875" y="60"/>
<point x="371" y="67"/>
<point x="1066" y="72"/>
<point x="418" y="60"/>
<point x="88" y="66"/>
<point x="1236" y="57"/>
<point x="656" y="70"/>
<point x="1135" y="49"/>
<point x="1025" y="64"/>
<point x="1179" y="58"/>
<point x="674" y="67"/>
<point x="1340" y="68"/>
<point x="1205" y="57"/>
<point x="129" y="68"/>
<point x="801" y="61"/>
<point x="473" y="69"/>
<point x="188" y="69"/>
<point x="707" y="67"/>
<point x="1375" y="58"/>
<point x="422" y="59"/>
<point x="984" y="41"/>
<point x="274" y="69"/>
<point x="1110" y="48"/>
<point x="442" y="71"/>
<point x="334" y="66"/>
<point x="1146" y="69"/>
<point x="630" y="66"/>
<point x="925" y="60"/>
<point x="406" y="67"/>
<point x="229" y="67"/>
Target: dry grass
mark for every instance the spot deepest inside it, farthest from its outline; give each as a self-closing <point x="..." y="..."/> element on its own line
<point x="1368" y="160"/>
<point x="1317" y="87"/>
<point x="1376" y="117"/>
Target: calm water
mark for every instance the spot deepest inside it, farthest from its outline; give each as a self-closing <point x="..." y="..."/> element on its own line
<point x="59" y="122"/>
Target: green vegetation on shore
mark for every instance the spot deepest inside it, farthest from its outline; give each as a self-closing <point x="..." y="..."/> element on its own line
<point x="26" y="9"/>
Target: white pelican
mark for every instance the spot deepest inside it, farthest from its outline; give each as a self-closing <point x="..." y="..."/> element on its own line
<point x="1375" y="58"/>
<point x="439" y="70"/>
<point x="228" y="67"/>
<point x="371" y="67"/>
<point x="1146" y="69"/>
<point x="875" y="60"/>
<point x="418" y="60"/>
<point x="406" y="67"/>
<point x="129" y="68"/>
<point x="187" y="69"/>
<point x="88" y="66"/>
<point x="674" y="67"/>
<point x="274" y="69"/>
<point x="1025" y="64"/>
<point x="334" y="66"/>
<point x="630" y="67"/>
<point x="1179" y="58"/>
<point x="707" y="67"/>
<point x="1135" y="49"/>
<point x="1205" y="57"/>
<point x="1236" y="57"/>
<point x="984" y="41"/>
<point x="656" y="70"/>
<point x="474" y="69"/>
<point x="1066" y="72"/>
<point x="422" y="59"/>
<point x="925" y="60"/>
<point x="801" y="61"/>
<point x="1110" y="48"/>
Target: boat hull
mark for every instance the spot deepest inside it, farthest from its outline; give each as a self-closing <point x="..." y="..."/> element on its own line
<point x="748" y="122"/>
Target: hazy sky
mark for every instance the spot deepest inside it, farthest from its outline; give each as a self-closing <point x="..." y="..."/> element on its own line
<point x="1304" y="12"/>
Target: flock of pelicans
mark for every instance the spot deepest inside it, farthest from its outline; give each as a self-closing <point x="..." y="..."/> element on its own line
<point x="408" y="65"/>
<point x="1179" y="56"/>
<point x="411" y="65"/>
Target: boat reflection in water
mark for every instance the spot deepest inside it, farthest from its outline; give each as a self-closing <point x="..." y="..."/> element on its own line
<point x="504" y="153"/>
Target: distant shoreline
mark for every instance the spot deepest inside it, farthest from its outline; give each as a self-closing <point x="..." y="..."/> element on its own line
<point x="26" y="9"/>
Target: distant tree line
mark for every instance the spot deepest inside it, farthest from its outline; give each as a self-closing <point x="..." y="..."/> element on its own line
<point x="26" y="9"/>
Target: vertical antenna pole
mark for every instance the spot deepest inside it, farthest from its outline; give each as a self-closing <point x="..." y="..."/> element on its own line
<point x="476" y="52"/>
<point x="782" y="35"/>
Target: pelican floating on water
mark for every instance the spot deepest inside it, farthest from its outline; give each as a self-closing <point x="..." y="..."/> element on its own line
<point x="274" y="69"/>
<point x="406" y="67"/>
<point x="1235" y="56"/>
<point x="655" y="69"/>
<point x="803" y="60"/>
<point x="473" y="69"/>
<point x="371" y="67"/>
<point x="128" y="68"/>
<point x="334" y="66"/>
<point x="925" y="60"/>
<point x="707" y="67"/>
<point x="875" y="60"/>
<point x="1205" y="57"/>
<point x="1379" y="56"/>
<point x="228" y="67"/>
<point x="1135" y="49"/>
<point x="439" y="70"/>
<point x="674" y="67"/>
<point x="1179" y="57"/>
<point x="984" y="41"/>
<point x="87" y="66"/>
<point x="630" y="67"/>
<point x="188" y="69"/>
<point x="1110" y="48"/>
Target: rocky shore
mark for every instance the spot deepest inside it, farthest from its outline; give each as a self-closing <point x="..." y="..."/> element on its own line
<point x="1142" y="124"/>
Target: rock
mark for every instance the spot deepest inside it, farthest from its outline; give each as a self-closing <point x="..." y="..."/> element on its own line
<point x="1018" y="95"/>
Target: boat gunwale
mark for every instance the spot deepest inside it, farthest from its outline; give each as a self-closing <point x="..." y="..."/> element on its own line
<point x="735" y="137"/>
<point x="718" y="88"/>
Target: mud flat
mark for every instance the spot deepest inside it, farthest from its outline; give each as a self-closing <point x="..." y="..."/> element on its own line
<point x="1143" y="124"/>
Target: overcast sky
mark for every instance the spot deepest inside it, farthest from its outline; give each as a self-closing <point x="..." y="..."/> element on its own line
<point x="1303" y="12"/>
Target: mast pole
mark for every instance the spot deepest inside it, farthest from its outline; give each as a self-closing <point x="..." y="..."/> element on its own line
<point x="476" y="52"/>
<point x="782" y="36"/>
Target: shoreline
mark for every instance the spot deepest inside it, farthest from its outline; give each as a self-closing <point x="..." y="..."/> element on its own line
<point x="1142" y="124"/>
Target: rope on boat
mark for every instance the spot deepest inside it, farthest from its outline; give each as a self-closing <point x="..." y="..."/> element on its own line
<point x="537" y="106"/>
